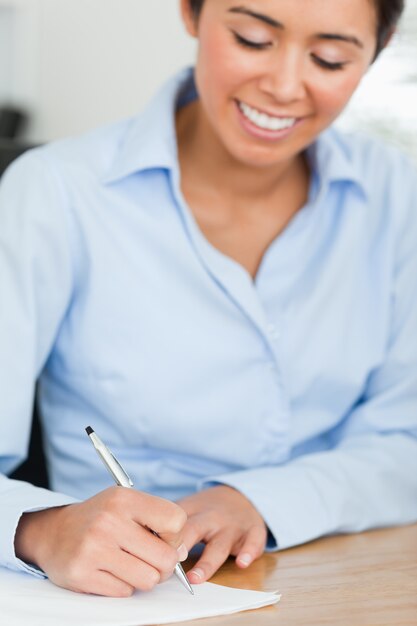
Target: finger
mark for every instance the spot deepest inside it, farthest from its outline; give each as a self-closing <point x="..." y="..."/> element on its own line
<point x="252" y="547"/>
<point x="144" y="545"/>
<point x="133" y="571"/>
<point x="195" y="530"/>
<point x="105" y="584"/>
<point x="215" y="553"/>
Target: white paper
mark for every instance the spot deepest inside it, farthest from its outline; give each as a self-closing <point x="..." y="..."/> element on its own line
<point x="26" y="600"/>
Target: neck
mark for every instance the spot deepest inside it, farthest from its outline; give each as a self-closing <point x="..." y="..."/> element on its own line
<point x="216" y="167"/>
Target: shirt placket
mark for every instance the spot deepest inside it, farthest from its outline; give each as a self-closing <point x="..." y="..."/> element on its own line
<point x="239" y="287"/>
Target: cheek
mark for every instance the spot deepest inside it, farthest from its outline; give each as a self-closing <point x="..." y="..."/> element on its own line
<point x="331" y="96"/>
<point x="221" y="67"/>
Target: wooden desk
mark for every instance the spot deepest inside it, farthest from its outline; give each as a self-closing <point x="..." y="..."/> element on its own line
<point x="359" y="580"/>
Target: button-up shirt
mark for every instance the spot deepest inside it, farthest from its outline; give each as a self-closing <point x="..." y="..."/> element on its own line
<point x="298" y="387"/>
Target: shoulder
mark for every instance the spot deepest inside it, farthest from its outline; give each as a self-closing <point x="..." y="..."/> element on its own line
<point x="70" y="164"/>
<point x="51" y="183"/>
<point x="87" y="156"/>
<point x="376" y="163"/>
<point x="387" y="176"/>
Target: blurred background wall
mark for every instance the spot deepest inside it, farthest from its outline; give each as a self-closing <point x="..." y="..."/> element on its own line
<point x="76" y="64"/>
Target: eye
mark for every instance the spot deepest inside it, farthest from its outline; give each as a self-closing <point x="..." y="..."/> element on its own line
<point x="327" y="65"/>
<point x="254" y="45"/>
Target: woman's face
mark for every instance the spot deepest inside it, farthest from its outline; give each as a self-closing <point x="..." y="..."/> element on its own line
<point x="272" y="74"/>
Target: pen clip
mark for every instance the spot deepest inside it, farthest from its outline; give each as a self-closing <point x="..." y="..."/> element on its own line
<point x="121" y="467"/>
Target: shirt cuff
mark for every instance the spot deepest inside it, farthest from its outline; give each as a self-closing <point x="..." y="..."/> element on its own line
<point x="23" y="498"/>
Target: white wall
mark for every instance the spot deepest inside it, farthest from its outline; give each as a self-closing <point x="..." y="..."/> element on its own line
<point x="19" y="52"/>
<point x="6" y="60"/>
<point x="103" y="59"/>
<point x="98" y="60"/>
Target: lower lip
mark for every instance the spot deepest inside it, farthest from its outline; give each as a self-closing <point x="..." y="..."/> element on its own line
<point x="263" y="133"/>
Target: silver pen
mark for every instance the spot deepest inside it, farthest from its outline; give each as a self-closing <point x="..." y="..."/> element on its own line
<point x="122" y="478"/>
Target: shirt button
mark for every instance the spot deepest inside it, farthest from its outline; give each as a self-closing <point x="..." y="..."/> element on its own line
<point x="273" y="332"/>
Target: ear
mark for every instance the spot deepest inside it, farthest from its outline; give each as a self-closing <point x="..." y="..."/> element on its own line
<point x="188" y="17"/>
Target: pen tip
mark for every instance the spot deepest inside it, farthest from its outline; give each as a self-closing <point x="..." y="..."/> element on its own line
<point x="89" y="430"/>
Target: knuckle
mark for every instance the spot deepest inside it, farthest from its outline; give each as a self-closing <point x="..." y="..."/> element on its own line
<point x="167" y="557"/>
<point x="116" y="499"/>
<point x="221" y="545"/>
<point x="261" y="534"/>
<point x="155" y="577"/>
<point x="150" y="580"/>
<point x="165" y="576"/>
<point x="256" y="542"/>
<point x="260" y="528"/>
<point x="125" y="591"/>
<point x="82" y="553"/>
<point x="170" y="561"/>
<point x="102" y="523"/>
<point x="74" y="573"/>
<point x="196" y="526"/>
<point x="178" y="519"/>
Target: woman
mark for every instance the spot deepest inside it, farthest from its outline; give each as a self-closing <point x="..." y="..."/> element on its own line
<point x="223" y="287"/>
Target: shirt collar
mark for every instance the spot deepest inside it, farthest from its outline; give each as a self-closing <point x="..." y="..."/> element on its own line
<point x="150" y="141"/>
<point x="332" y="160"/>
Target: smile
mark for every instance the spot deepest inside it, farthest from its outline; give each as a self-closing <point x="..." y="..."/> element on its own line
<point x="264" y="121"/>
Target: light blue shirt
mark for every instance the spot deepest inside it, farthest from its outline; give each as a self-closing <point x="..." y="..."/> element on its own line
<point x="299" y="388"/>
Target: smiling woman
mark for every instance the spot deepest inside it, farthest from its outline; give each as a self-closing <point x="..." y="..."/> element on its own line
<point x="225" y="287"/>
<point x="280" y="68"/>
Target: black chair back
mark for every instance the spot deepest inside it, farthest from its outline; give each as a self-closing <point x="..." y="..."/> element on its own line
<point x="33" y="469"/>
<point x="12" y="121"/>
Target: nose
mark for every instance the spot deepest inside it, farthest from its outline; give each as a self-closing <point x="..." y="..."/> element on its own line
<point x="284" y="78"/>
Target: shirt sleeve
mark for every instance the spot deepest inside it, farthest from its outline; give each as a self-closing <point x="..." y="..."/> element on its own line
<point x="36" y="277"/>
<point x="369" y="478"/>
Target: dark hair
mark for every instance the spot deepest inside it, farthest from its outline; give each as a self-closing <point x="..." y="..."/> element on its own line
<point x="388" y="11"/>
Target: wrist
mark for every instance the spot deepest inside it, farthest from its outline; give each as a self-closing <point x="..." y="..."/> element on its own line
<point x="33" y="533"/>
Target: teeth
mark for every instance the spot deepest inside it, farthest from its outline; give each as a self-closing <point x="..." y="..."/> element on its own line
<point x="265" y="121"/>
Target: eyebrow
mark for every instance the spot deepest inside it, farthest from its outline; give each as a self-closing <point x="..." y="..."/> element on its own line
<point x="258" y="16"/>
<point x="275" y="24"/>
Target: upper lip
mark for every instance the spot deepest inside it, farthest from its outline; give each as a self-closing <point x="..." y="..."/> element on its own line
<point x="269" y="113"/>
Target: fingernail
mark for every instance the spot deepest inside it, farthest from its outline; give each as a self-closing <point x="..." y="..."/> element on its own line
<point x="182" y="552"/>
<point x="197" y="572"/>
<point x="245" y="559"/>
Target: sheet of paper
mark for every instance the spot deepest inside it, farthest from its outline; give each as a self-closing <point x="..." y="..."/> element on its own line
<point x="26" y="600"/>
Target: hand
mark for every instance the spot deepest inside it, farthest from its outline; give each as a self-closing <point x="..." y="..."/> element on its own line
<point x="228" y="523"/>
<point x="103" y="545"/>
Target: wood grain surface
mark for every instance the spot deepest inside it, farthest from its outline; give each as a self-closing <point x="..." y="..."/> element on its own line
<point x="369" y="579"/>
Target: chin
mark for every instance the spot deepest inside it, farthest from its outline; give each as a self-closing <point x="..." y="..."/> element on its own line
<point x="259" y="157"/>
